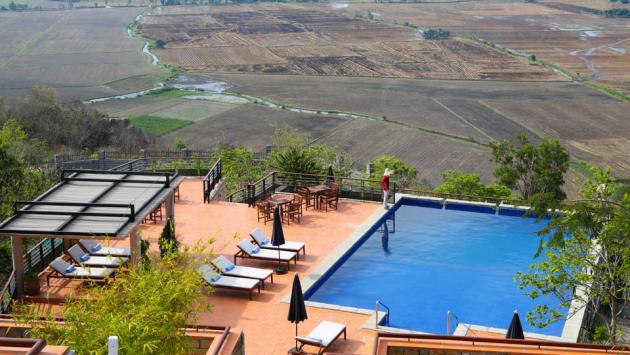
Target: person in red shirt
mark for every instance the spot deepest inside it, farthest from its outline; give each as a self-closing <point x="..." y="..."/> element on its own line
<point x="385" y="187"/>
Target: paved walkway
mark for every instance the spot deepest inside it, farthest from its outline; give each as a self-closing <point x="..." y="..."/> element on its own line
<point x="263" y="319"/>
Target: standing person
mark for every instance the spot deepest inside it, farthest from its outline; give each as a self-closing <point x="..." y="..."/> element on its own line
<point x="385" y="186"/>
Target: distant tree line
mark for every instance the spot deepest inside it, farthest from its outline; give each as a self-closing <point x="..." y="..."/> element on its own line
<point x="436" y="34"/>
<point x="69" y="125"/>
<point x="625" y="13"/>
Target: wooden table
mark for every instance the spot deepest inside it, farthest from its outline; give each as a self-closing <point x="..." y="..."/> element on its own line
<point x="279" y="201"/>
<point x="318" y="190"/>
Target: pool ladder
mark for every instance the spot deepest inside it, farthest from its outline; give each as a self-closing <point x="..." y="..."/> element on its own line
<point x="386" y="319"/>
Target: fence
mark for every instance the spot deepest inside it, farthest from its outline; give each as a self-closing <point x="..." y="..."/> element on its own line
<point x="211" y="180"/>
<point x="360" y="189"/>
<point x="37" y="258"/>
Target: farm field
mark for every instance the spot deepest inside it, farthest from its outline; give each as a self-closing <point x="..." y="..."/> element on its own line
<point x="586" y="45"/>
<point x="80" y="53"/>
<point x="584" y="120"/>
<point x="312" y="39"/>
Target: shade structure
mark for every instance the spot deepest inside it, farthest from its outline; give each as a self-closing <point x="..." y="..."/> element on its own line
<point x="277" y="238"/>
<point x="331" y="176"/>
<point x="515" y="330"/>
<point x="297" y="308"/>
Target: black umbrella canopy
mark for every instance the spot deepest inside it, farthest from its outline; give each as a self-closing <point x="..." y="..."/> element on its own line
<point x="331" y="174"/>
<point x="277" y="238"/>
<point x="297" y="308"/>
<point x="277" y="235"/>
<point x="515" y="330"/>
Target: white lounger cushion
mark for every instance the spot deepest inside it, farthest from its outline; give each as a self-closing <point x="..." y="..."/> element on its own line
<point x="95" y="248"/>
<point x="325" y="333"/>
<point x="260" y="238"/>
<point x="248" y="248"/>
<point x="227" y="281"/>
<point x="84" y="259"/>
<point x="61" y="266"/>
<point x="240" y="271"/>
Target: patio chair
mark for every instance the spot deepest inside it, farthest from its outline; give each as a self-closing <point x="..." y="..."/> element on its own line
<point x="248" y="251"/>
<point x="265" y="243"/>
<point x="82" y="258"/>
<point x="293" y="210"/>
<point x="322" y="336"/>
<point x="228" y="282"/>
<point x="95" y="248"/>
<point x="226" y="268"/>
<point x="61" y="269"/>
<point x="309" y="199"/>
<point x="330" y="198"/>
<point x="265" y="212"/>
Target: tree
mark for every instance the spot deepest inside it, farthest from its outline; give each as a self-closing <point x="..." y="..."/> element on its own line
<point x="238" y="167"/>
<point x="530" y="169"/>
<point x="457" y="182"/>
<point x="147" y="308"/>
<point x="587" y="253"/>
<point x="291" y="152"/>
<point x="404" y="174"/>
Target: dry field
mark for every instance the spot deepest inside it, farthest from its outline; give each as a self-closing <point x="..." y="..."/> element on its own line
<point x="559" y="32"/>
<point x="316" y="40"/>
<point x="593" y="126"/>
<point x="81" y="53"/>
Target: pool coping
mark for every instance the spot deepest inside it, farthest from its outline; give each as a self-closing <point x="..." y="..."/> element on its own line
<point x="570" y="331"/>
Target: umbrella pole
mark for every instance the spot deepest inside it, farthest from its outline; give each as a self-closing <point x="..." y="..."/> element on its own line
<point x="280" y="269"/>
<point x="296" y="334"/>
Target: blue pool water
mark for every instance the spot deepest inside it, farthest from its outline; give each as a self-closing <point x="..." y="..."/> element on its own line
<point x="434" y="260"/>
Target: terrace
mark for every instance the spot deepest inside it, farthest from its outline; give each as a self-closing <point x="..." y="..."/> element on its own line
<point x="263" y="318"/>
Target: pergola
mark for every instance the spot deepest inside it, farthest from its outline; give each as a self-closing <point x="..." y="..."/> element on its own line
<point x="89" y="204"/>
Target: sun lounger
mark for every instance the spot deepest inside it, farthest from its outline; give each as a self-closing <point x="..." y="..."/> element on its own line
<point x="228" y="282"/>
<point x="63" y="270"/>
<point x="84" y="259"/>
<point x="248" y="251"/>
<point x="225" y="267"/>
<point x="265" y="243"/>
<point x="95" y="248"/>
<point x="323" y="335"/>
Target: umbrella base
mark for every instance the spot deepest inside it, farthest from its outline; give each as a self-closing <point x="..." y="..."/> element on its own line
<point x="295" y="351"/>
<point x="280" y="270"/>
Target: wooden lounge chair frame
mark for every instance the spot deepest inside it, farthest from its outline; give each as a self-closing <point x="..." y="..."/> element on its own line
<point x="270" y="247"/>
<point x="54" y="274"/>
<point x="243" y="255"/>
<point x="238" y="288"/>
<point x="262" y="281"/>
<point x="322" y="349"/>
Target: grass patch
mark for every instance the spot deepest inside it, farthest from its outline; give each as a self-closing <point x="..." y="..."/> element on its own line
<point x="581" y="167"/>
<point x="157" y="126"/>
<point x="608" y="91"/>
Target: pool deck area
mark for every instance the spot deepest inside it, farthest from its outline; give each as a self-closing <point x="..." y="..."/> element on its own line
<point x="264" y="319"/>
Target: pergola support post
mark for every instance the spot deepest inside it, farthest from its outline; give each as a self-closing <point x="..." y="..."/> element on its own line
<point x="17" y="248"/>
<point x="170" y="208"/>
<point x="134" y="241"/>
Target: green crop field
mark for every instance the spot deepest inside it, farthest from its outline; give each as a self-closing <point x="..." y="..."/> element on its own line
<point x="157" y="126"/>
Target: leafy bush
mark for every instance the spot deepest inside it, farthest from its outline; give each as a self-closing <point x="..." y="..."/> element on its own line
<point x="457" y="182"/>
<point x="146" y="307"/>
<point x="436" y="34"/>
<point x="404" y="174"/>
<point x="238" y="167"/>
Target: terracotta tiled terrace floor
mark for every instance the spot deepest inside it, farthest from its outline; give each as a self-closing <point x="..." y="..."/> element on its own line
<point x="264" y="319"/>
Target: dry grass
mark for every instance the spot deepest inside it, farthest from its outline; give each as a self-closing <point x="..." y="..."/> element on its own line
<point x="315" y="40"/>
<point x="76" y="52"/>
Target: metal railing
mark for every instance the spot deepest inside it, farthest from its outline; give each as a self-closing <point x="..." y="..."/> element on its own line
<point x="211" y="180"/>
<point x="277" y="181"/>
<point x="477" y="198"/>
<point x="37" y="258"/>
<point x="387" y="315"/>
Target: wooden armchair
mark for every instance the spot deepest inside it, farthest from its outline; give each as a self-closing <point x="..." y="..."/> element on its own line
<point x="330" y="198"/>
<point x="309" y="200"/>
<point x="265" y="212"/>
<point x="293" y="210"/>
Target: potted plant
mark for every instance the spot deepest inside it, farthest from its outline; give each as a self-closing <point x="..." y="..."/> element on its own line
<point x="31" y="282"/>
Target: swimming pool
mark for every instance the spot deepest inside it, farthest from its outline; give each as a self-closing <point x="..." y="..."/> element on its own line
<point x="430" y="260"/>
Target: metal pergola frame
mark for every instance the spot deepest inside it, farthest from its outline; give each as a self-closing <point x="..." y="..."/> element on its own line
<point x="132" y="214"/>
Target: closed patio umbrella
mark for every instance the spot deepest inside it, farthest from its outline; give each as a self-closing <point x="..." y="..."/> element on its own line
<point x="277" y="238"/>
<point x="331" y="176"/>
<point x="297" y="308"/>
<point x="515" y="330"/>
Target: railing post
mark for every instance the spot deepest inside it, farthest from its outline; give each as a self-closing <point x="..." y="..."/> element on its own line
<point x="362" y="189"/>
<point x="41" y="254"/>
<point x="376" y="316"/>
